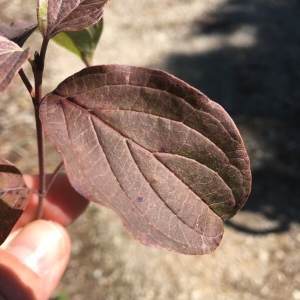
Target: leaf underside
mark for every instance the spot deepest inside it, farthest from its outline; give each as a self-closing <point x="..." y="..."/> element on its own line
<point x="82" y="43"/>
<point x="18" y="31"/>
<point x="13" y="197"/>
<point x="12" y="57"/>
<point x="166" y="159"/>
<point x="72" y="15"/>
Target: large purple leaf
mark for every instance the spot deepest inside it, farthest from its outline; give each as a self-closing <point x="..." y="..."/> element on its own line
<point x="12" y="57"/>
<point x="166" y="159"/>
<point x="55" y="16"/>
<point x="13" y="197"/>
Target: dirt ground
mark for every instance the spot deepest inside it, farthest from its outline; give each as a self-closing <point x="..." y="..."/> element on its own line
<point x="245" y="55"/>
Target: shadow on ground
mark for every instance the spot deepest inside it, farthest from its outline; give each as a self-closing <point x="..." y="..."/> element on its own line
<point x="259" y="85"/>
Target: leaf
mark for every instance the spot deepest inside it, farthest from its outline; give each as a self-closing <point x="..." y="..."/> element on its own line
<point x="12" y="57"/>
<point x="55" y="16"/>
<point x="13" y="197"/>
<point x="82" y="43"/>
<point x="166" y="159"/>
<point x="18" y="31"/>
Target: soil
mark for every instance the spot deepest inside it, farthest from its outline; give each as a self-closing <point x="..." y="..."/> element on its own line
<point x="245" y="55"/>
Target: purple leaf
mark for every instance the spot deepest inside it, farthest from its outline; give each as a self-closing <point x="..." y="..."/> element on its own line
<point x="13" y="197"/>
<point x="12" y="57"/>
<point x="73" y="15"/>
<point x="166" y="159"/>
<point x="18" y="31"/>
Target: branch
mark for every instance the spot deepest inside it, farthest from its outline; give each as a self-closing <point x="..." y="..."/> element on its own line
<point x="27" y="84"/>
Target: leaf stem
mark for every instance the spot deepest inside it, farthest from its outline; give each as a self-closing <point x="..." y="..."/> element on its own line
<point x="22" y="187"/>
<point x="27" y="84"/>
<point x="54" y="175"/>
<point x="43" y="54"/>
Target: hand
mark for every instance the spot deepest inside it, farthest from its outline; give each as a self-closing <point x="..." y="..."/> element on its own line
<point x="36" y="253"/>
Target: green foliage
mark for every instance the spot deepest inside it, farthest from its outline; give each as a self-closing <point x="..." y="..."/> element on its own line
<point x="82" y="43"/>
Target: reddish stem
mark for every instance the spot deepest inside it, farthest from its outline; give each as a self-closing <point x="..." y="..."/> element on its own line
<point x="27" y="84"/>
<point x="38" y="69"/>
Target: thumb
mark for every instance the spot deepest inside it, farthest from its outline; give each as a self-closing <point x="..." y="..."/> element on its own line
<point x="33" y="261"/>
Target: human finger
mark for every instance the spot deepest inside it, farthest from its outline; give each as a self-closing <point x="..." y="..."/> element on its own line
<point x="33" y="261"/>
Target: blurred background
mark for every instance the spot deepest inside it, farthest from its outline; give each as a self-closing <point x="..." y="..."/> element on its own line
<point x="245" y="55"/>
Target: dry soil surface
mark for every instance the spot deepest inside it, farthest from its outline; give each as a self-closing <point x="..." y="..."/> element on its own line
<point x="245" y="55"/>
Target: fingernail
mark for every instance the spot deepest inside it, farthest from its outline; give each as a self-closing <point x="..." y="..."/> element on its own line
<point x="41" y="245"/>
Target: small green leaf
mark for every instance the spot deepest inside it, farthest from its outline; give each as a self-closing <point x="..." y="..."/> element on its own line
<point x="82" y="43"/>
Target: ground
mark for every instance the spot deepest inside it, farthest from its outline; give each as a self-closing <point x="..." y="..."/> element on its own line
<point x="245" y="55"/>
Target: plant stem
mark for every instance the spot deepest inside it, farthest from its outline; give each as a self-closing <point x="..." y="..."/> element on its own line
<point x="38" y="70"/>
<point x="43" y="54"/>
<point x="27" y="84"/>
<point x="41" y="159"/>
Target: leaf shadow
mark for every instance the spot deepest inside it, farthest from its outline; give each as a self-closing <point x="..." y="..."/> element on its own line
<point x="254" y="74"/>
